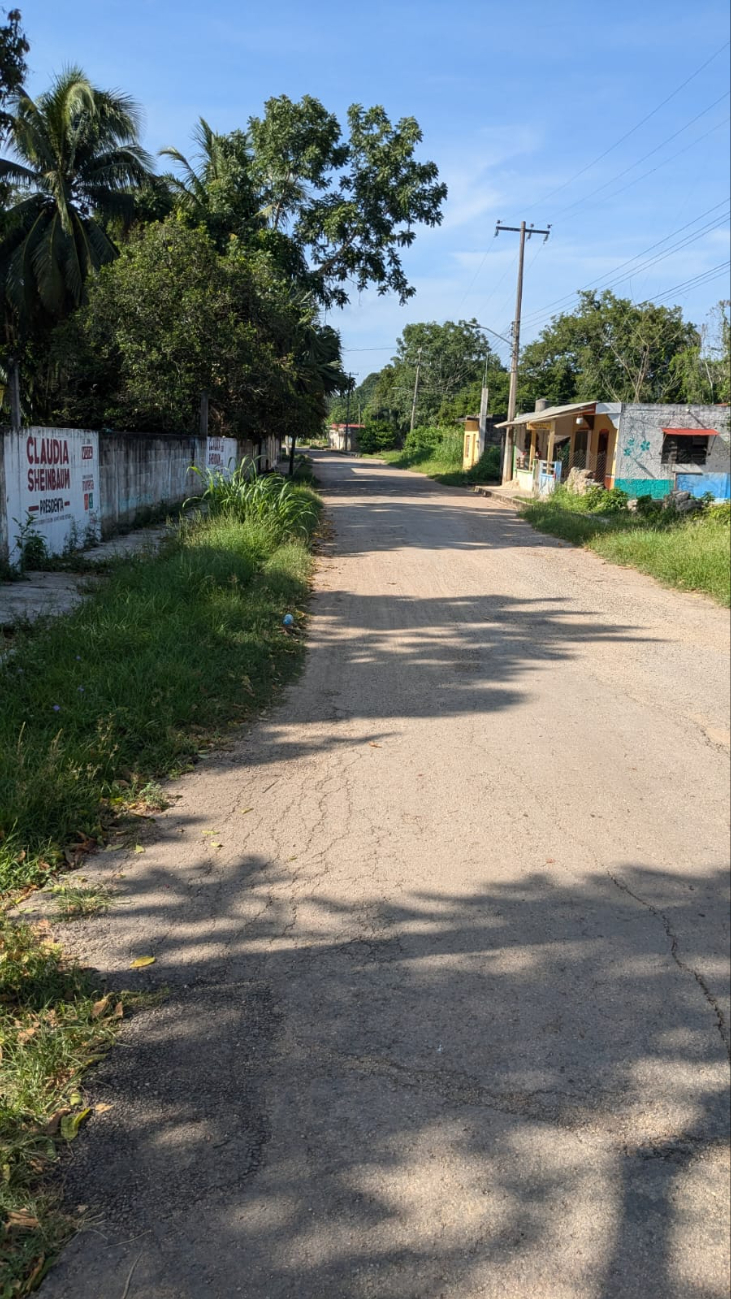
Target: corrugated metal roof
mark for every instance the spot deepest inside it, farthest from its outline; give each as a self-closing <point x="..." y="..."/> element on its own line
<point x="551" y="412"/>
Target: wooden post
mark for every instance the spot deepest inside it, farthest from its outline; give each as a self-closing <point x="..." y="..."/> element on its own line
<point x="203" y="425"/>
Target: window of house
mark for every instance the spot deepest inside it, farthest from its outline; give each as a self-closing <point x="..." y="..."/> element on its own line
<point x="684" y="450"/>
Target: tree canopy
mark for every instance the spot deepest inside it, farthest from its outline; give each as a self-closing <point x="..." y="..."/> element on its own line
<point x="76" y="160"/>
<point x="608" y="349"/>
<point x="170" y="318"/>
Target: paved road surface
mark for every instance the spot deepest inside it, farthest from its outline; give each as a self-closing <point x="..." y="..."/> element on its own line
<point x="448" y="1006"/>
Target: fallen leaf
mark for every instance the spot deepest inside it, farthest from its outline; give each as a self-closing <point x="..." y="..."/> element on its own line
<point x="75" y="1098"/>
<point x="52" y="1125"/>
<point x="26" y="1034"/>
<point x="244" y="810"/>
<point x="101" y="1108"/>
<point x="118" y="1010"/>
<point x="139" y="848"/>
<point x="38" y="1271"/>
<point x="140" y="961"/>
<point x="22" y="1220"/>
<point x="374" y="745"/>
<point x="99" y="1007"/>
<point x="72" y="1122"/>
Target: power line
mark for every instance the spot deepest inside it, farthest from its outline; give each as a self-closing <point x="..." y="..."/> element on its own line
<point x="670" y="158"/>
<point x="657" y="148"/>
<point x="568" y="297"/>
<point x="705" y="277"/>
<point x="627" y="134"/>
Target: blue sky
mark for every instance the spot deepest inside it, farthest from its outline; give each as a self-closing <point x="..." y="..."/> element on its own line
<point x="513" y="100"/>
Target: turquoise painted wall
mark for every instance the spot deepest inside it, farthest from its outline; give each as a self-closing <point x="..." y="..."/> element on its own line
<point x="657" y="487"/>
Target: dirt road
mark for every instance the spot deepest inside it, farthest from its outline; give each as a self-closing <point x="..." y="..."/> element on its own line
<point x="445" y="938"/>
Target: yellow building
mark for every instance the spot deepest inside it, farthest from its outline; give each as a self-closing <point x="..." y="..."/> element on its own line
<point x="553" y="440"/>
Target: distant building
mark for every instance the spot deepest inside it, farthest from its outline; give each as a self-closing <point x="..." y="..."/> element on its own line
<point x="344" y="437"/>
<point x="646" y="450"/>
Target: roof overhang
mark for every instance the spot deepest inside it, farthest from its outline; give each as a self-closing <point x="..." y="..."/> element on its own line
<point x="551" y="412"/>
<point x="692" y="432"/>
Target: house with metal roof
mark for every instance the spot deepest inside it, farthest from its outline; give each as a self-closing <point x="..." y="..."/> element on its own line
<point x="646" y="450"/>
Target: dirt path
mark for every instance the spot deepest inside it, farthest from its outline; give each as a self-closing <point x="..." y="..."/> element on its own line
<point x="445" y="938"/>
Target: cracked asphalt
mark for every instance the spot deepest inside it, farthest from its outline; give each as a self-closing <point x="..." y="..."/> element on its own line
<point x="446" y="943"/>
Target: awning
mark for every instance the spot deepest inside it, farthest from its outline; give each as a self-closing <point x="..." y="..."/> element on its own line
<point x="692" y="432"/>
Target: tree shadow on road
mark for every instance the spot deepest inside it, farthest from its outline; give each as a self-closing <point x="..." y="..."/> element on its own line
<point x="518" y="1090"/>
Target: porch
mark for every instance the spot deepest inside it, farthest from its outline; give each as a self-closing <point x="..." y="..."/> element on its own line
<point x="546" y="444"/>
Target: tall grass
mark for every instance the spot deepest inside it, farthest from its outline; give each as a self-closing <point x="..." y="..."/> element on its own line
<point x="283" y="508"/>
<point x="124" y="689"/>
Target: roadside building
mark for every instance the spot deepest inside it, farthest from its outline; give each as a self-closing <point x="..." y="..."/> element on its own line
<point x="344" y="437"/>
<point x="646" y="450"/>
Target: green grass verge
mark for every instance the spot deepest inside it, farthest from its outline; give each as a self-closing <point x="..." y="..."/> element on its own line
<point x="54" y="1023"/>
<point x="446" y="468"/>
<point x="126" y="689"/>
<point x="693" y="554"/>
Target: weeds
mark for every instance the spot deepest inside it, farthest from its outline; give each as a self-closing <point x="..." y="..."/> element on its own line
<point x="54" y="1023"/>
<point x="286" y="509"/>
<point x="79" y="901"/>
<point x="438" y="454"/>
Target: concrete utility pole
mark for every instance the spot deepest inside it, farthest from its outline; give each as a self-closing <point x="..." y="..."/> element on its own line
<point x="416" y="390"/>
<point x="524" y="232"/>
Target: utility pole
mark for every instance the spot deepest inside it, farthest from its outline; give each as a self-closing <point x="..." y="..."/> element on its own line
<point x="416" y="390"/>
<point x="347" y="413"/>
<point x="14" y="385"/>
<point x="525" y="232"/>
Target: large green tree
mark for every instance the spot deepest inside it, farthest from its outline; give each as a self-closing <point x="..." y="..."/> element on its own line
<point x="453" y="360"/>
<point x="173" y="317"/>
<point x="608" y="349"/>
<point x="333" y="209"/>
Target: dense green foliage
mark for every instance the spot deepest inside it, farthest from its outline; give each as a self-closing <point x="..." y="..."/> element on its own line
<point x="454" y="359"/>
<point x="172" y="317"/>
<point x="77" y="161"/>
<point x="126" y="294"/>
<point x="608" y="349"/>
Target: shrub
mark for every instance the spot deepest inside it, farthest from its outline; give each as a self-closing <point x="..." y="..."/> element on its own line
<point x="378" y="435"/>
<point x="424" y="436"/>
<point x="648" y="507"/>
<point x="719" y="512"/>
<point x="611" y="501"/>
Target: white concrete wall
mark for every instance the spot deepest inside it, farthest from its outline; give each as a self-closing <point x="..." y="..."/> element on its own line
<point x="78" y="485"/>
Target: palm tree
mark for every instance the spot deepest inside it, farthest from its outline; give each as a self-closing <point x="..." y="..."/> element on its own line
<point x="218" y="191"/>
<point x="191" y="188"/>
<point x="77" y="162"/>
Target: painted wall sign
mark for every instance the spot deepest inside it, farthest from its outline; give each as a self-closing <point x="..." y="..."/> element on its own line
<point x="52" y="487"/>
<point x="221" y="455"/>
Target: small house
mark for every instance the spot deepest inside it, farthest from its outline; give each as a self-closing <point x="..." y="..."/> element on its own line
<point x="647" y="450"/>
